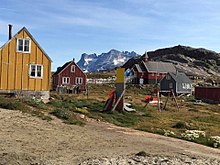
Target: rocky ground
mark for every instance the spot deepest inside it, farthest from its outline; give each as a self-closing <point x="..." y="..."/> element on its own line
<point x="155" y="160"/>
<point x="30" y="140"/>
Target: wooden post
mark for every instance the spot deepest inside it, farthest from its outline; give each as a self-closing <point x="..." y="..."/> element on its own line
<point x="120" y="88"/>
<point x="158" y="100"/>
<point x="166" y="101"/>
<point x="175" y="100"/>
<point x="171" y="92"/>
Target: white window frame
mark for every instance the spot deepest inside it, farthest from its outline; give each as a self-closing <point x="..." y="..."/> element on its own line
<point x="36" y="71"/>
<point x="79" y="80"/>
<point x="66" y="80"/>
<point x="170" y="85"/>
<point x="72" y="69"/>
<point x="186" y="86"/>
<point x="23" y="45"/>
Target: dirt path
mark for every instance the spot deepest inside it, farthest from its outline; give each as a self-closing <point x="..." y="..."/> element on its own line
<point x="25" y="139"/>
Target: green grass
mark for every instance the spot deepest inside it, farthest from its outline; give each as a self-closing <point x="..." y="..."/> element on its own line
<point x="67" y="116"/>
<point x="12" y="104"/>
<point x="27" y="106"/>
<point x="35" y="103"/>
<point x="210" y="119"/>
<point x="124" y="119"/>
<point x="204" y="140"/>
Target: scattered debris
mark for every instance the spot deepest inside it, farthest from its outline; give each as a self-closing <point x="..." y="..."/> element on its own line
<point x="128" y="108"/>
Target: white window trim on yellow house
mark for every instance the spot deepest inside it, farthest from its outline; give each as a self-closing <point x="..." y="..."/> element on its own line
<point x="35" y="71"/>
<point x="23" y="45"/>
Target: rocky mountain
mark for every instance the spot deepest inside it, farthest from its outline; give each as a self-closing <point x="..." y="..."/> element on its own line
<point x="86" y="60"/>
<point x="104" y="61"/>
<point x="192" y="61"/>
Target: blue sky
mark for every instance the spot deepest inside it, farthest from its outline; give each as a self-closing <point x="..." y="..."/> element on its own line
<point x="67" y="28"/>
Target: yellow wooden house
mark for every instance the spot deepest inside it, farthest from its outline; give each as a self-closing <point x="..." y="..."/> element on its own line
<point x="25" y="68"/>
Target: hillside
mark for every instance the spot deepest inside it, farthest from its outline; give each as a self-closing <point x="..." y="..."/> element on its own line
<point x="193" y="61"/>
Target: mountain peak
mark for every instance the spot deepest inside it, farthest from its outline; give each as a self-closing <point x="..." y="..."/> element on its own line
<point x="104" y="61"/>
<point x="113" y="51"/>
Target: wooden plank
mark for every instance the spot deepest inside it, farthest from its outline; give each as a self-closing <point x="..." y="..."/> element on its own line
<point x="49" y="84"/>
<point x="11" y="72"/>
<point x="32" y="60"/>
<point x="45" y="79"/>
<point x="4" y="77"/>
<point x="0" y="69"/>
<point x="39" y="61"/>
<point x="18" y="72"/>
<point x="25" y="69"/>
<point x="18" y="64"/>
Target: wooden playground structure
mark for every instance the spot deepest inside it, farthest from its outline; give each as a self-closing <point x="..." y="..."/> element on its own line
<point x="116" y="97"/>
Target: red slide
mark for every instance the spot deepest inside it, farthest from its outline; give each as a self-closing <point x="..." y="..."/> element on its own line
<point x="110" y="101"/>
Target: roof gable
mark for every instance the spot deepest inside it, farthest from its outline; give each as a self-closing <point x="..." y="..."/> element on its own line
<point x="61" y="69"/>
<point x="32" y="38"/>
<point x="180" y="77"/>
<point x="161" y="67"/>
<point x="138" y="68"/>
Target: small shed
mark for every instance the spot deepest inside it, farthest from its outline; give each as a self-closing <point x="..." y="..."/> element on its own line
<point x="69" y="77"/>
<point x="178" y="82"/>
<point x="210" y="94"/>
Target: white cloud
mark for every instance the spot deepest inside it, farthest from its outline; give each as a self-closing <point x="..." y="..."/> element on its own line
<point x="97" y="25"/>
<point x="90" y="15"/>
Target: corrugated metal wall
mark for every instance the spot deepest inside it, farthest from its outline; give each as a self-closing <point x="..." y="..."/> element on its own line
<point x="207" y="93"/>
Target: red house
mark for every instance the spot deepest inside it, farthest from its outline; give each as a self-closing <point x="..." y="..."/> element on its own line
<point x="144" y="71"/>
<point x="151" y="72"/>
<point x="69" y="76"/>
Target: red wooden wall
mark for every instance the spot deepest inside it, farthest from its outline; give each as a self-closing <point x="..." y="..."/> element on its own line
<point x="66" y="72"/>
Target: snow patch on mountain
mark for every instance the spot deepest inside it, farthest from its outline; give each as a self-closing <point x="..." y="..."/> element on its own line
<point x="87" y="61"/>
<point x="118" y="61"/>
<point x="104" y="61"/>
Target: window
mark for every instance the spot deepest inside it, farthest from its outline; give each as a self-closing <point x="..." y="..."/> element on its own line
<point x="186" y="86"/>
<point x="23" y="45"/>
<point x="168" y="77"/>
<point x="66" y="80"/>
<point x="79" y="80"/>
<point x="72" y="68"/>
<point x="36" y="71"/>
<point x="170" y="85"/>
